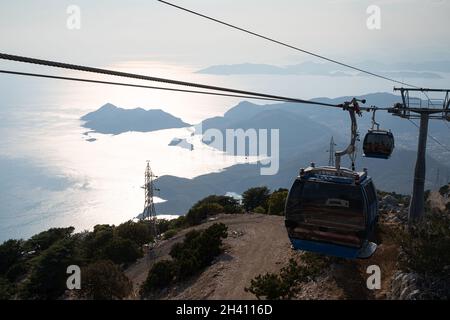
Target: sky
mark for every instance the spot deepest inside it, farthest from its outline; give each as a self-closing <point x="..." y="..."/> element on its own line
<point x="117" y="30"/>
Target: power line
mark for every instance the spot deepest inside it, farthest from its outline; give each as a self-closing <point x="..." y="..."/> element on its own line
<point x="286" y="44"/>
<point x="38" y="75"/>
<point x="432" y="137"/>
<point x="62" y="65"/>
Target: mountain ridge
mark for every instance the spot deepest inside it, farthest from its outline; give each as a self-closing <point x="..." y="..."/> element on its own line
<point x="110" y="119"/>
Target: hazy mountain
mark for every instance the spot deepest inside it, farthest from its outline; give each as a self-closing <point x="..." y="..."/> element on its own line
<point x="296" y="132"/>
<point x="110" y="119"/>
<point x="404" y="70"/>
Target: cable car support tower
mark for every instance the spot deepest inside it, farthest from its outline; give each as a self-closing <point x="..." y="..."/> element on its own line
<point x="415" y="108"/>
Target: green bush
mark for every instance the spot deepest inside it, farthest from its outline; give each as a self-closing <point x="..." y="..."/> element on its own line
<point x="284" y="285"/>
<point x="10" y="253"/>
<point x="197" y="251"/>
<point x="44" y="240"/>
<point x="122" y="251"/>
<point x="48" y="276"/>
<point x="138" y="232"/>
<point x="260" y="210"/>
<point x="229" y="204"/>
<point x="103" y="280"/>
<point x="161" y="275"/>
<point x="444" y="190"/>
<point x="426" y="245"/>
<point x="178" y="223"/>
<point x="95" y="242"/>
<point x="197" y="214"/>
<point x="6" y="289"/>
<point x="169" y="234"/>
<point x="255" y="197"/>
<point x="17" y="271"/>
<point x="277" y="202"/>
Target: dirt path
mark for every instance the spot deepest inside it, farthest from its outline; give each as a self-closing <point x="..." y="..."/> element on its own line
<point x="256" y="244"/>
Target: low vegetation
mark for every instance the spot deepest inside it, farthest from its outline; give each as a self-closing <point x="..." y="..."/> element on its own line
<point x="104" y="280"/>
<point x="285" y="284"/>
<point x="36" y="268"/>
<point x="426" y="245"/>
<point x="189" y="257"/>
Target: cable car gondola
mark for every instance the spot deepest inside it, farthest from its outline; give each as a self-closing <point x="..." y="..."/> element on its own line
<point x="378" y="143"/>
<point x="333" y="210"/>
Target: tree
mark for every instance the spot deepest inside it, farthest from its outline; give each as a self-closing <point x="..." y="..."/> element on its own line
<point x="160" y="276"/>
<point x="10" y="253"/>
<point x="48" y="275"/>
<point x="45" y="239"/>
<point x="277" y="202"/>
<point x="6" y="289"/>
<point x="121" y="250"/>
<point x="103" y="280"/>
<point x="95" y="242"/>
<point x="199" y="213"/>
<point x="255" y="197"/>
<point x="260" y="210"/>
<point x="138" y="232"/>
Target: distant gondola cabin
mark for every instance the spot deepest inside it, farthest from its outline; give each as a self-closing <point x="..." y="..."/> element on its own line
<point x="378" y="144"/>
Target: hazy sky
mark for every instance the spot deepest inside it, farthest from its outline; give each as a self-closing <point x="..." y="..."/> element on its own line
<point x="115" y="30"/>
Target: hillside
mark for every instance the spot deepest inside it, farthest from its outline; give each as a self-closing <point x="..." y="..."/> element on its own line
<point x="257" y="244"/>
<point x="250" y="238"/>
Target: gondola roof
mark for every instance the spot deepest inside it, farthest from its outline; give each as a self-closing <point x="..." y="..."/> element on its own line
<point x="331" y="175"/>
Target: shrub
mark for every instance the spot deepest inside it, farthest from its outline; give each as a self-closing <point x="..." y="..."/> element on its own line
<point x="284" y="285"/>
<point x="160" y="276"/>
<point x="17" y="271"/>
<point x="277" y="202"/>
<point x="138" y="232"/>
<point x="444" y="190"/>
<point x="178" y="223"/>
<point x="426" y="245"/>
<point x="10" y="253"/>
<point x="271" y="286"/>
<point x="44" y="240"/>
<point x="169" y="234"/>
<point x="229" y="204"/>
<point x="95" y="242"/>
<point x="259" y="210"/>
<point x="48" y="275"/>
<point x="103" y="280"/>
<point x="447" y="207"/>
<point x="199" y="213"/>
<point x="197" y="251"/>
<point x="6" y="289"/>
<point x="255" y="197"/>
<point x="121" y="251"/>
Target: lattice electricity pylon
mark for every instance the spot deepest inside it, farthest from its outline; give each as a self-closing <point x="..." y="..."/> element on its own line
<point x="331" y="152"/>
<point x="149" y="213"/>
